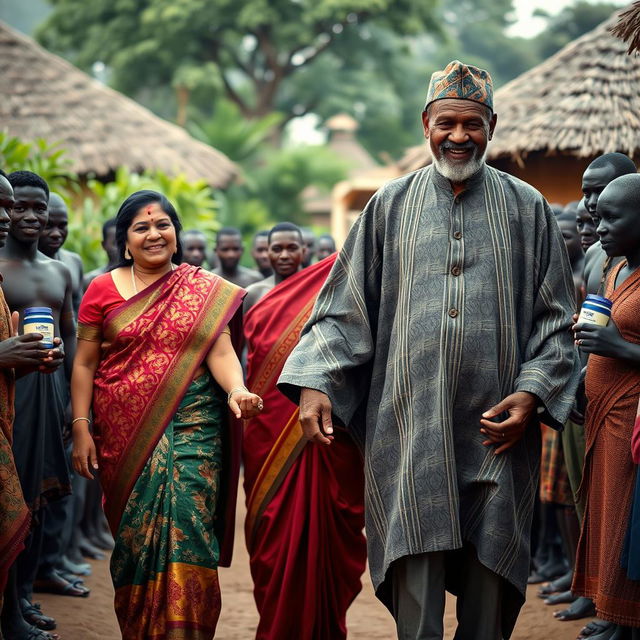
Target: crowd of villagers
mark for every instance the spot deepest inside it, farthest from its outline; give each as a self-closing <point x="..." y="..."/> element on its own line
<point x="172" y="365"/>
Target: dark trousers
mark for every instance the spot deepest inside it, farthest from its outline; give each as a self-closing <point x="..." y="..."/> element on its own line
<point x="56" y="533"/>
<point x="419" y="583"/>
<point x="58" y="528"/>
<point x="29" y="559"/>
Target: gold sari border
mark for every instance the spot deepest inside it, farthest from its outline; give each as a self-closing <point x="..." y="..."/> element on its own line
<point x="135" y="306"/>
<point x="191" y="598"/>
<point x="283" y="454"/>
<point x="88" y="332"/>
<point x="271" y="365"/>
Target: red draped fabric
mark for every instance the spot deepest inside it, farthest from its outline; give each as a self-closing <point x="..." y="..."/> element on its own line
<point x="305" y="511"/>
<point x="612" y="387"/>
<point x="153" y="345"/>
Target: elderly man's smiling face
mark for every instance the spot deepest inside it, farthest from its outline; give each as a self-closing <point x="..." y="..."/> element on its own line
<point x="458" y="132"/>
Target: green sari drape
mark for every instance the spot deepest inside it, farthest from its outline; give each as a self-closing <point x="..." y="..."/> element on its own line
<point x="164" y="565"/>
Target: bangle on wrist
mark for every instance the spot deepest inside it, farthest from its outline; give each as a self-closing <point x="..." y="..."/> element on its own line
<point x="235" y="390"/>
<point x="88" y="421"/>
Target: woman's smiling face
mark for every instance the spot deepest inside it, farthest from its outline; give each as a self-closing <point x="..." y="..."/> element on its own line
<point x="151" y="237"/>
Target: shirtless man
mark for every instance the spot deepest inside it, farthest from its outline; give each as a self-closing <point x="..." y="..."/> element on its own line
<point x="326" y="246"/>
<point x="229" y="250"/>
<point x="597" y="176"/>
<point x="59" y="524"/>
<point x="194" y="247"/>
<point x="573" y="241"/>
<point x="53" y="236"/>
<point x="19" y="354"/>
<point x="286" y="250"/>
<point x="310" y="247"/>
<point x="32" y="279"/>
<point x="586" y="226"/>
<point x="260" y="253"/>
<point x="110" y="248"/>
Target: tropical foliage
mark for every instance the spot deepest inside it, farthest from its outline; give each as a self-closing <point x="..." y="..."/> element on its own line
<point x="92" y="202"/>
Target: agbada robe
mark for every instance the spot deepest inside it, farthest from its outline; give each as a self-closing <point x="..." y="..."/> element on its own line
<point x="437" y="308"/>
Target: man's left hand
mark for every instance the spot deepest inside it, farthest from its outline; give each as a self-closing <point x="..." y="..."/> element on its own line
<point x="520" y="406"/>
<point x="603" y="341"/>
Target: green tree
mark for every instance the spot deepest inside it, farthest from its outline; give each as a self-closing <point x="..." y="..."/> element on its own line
<point x="47" y="160"/>
<point x="253" y="47"/>
<point x="239" y="138"/>
<point x="569" y="24"/>
<point x="279" y="183"/>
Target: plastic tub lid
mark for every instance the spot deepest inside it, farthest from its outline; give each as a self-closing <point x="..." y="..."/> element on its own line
<point x="591" y="297"/>
<point x="37" y="310"/>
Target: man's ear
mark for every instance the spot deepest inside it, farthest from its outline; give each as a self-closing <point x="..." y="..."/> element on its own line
<point x="492" y="124"/>
<point x="425" y="123"/>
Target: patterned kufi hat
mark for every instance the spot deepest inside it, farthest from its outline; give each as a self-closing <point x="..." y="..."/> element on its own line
<point x="461" y="81"/>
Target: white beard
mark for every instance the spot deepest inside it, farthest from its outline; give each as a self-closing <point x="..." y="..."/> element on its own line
<point x="455" y="172"/>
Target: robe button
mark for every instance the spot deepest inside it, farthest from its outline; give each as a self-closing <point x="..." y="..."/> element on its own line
<point x="453" y="313"/>
<point x="456" y="271"/>
<point x="457" y="235"/>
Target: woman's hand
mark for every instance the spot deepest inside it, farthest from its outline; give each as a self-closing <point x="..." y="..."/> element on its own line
<point x="245" y="404"/>
<point x="84" y="452"/>
<point x="603" y="341"/>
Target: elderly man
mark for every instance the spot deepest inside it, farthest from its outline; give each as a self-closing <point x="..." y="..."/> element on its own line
<point x="439" y="338"/>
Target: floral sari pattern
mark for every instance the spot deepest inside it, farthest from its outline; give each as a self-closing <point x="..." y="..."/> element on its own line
<point x="164" y="562"/>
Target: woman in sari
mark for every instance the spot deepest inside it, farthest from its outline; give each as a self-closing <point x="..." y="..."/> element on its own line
<point x="154" y="362"/>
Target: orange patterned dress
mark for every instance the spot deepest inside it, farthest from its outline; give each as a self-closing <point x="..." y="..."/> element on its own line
<point x="14" y="515"/>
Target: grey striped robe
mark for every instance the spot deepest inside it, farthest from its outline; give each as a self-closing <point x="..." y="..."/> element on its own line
<point x="437" y="308"/>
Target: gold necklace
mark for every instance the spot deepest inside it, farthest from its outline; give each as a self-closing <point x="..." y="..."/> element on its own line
<point x="147" y="284"/>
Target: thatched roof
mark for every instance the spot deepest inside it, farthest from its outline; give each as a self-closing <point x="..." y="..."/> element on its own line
<point x="583" y="101"/>
<point x="43" y="96"/>
<point x="628" y="28"/>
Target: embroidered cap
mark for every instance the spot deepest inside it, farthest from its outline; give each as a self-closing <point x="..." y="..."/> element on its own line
<point x="461" y="81"/>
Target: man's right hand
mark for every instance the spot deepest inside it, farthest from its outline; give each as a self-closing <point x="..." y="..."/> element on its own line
<point x="315" y="416"/>
<point x="21" y="352"/>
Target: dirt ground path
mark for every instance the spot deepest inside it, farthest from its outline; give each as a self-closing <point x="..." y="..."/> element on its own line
<point x="93" y="618"/>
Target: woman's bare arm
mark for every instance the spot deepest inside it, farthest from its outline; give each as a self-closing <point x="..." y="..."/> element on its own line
<point x="85" y="364"/>
<point x="227" y="371"/>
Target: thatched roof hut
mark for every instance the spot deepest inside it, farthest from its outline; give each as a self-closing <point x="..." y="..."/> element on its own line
<point x="343" y="142"/>
<point x="44" y="96"/>
<point x="555" y="118"/>
<point x="628" y="28"/>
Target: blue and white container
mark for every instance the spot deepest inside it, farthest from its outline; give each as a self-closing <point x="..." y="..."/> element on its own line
<point x="40" y="320"/>
<point x="595" y="310"/>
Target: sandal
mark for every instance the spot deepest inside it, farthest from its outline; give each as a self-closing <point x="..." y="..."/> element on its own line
<point x="38" y="634"/>
<point x="33" y="615"/>
<point x="71" y="577"/>
<point x="56" y="584"/>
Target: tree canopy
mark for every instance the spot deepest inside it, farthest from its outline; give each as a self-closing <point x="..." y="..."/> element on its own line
<point x="248" y="48"/>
